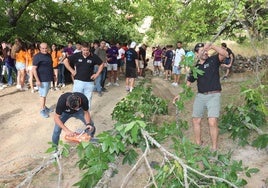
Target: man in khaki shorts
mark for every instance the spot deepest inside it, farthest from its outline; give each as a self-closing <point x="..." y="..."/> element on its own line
<point x="209" y="91"/>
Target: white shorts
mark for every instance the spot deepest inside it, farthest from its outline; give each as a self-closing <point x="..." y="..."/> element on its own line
<point x="141" y="64"/>
<point x="29" y="68"/>
<point x="157" y="63"/>
<point x="112" y="67"/>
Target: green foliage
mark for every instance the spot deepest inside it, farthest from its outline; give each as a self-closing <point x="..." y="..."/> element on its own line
<point x="94" y="159"/>
<point x="140" y="105"/>
<point x="261" y="141"/>
<point x="184" y="96"/>
<point x="241" y="120"/>
<point x="65" y="148"/>
<point x="82" y="20"/>
<point x="130" y="157"/>
<point x="94" y="162"/>
<point x="171" y="174"/>
<point x="125" y="139"/>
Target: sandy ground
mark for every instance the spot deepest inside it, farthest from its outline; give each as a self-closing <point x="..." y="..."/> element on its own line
<point x="25" y="136"/>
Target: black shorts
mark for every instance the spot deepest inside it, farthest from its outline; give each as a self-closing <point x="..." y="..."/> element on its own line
<point x="168" y="66"/>
<point x="131" y="72"/>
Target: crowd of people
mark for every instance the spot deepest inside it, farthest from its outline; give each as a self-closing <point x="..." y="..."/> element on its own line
<point x="41" y="67"/>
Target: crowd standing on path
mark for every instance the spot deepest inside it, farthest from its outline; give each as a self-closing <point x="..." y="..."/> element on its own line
<point x="44" y="68"/>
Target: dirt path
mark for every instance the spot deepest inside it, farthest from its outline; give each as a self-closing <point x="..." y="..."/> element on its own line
<point x="25" y="136"/>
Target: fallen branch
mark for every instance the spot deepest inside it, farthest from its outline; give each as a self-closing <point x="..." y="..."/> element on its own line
<point x="185" y="167"/>
<point x="106" y="177"/>
<point x="36" y="170"/>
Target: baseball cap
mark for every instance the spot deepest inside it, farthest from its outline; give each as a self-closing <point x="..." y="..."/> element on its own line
<point x="132" y="45"/>
<point x="197" y="46"/>
<point x="108" y="45"/>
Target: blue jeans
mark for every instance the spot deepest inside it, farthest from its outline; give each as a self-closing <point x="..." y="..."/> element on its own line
<point x="98" y="80"/>
<point x="1" y="76"/>
<point x="64" y="117"/>
<point x="103" y="76"/>
<point x="61" y="77"/>
<point x="86" y="88"/>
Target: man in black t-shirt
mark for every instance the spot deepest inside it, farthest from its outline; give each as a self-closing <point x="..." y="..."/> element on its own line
<point x="83" y="71"/>
<point x="71" y="105"/>
<point x="142" y="59"/>
<point x="43" y="72"/>
<point x="132" y="66"/>
<point x="209" y="91"/>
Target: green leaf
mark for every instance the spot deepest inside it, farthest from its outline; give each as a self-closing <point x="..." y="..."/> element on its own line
<point x="129" y="126"/>
<point x="130" y="157"/>
<point x="85" y="144"/>
<point x="105" y="146"/>
<point x="134" y="133"/>
<point x="253" y="170"/>
<point x="261" y="141"/>
<point x="50" y="150"/>
<point x="206" y="163"/>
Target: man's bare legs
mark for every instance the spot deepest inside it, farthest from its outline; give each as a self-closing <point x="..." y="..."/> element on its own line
<point x="213" y="130"/>
<point x="197" y="130"/>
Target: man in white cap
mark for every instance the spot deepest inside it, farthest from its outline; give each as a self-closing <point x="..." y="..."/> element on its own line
<point x="132" y="66"/>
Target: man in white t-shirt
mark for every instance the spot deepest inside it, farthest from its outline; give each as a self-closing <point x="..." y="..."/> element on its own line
<point x="179" y="55"/>
<point x="120" y="58"/>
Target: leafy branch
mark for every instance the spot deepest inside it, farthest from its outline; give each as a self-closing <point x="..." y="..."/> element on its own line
<point x="241" y="120"/>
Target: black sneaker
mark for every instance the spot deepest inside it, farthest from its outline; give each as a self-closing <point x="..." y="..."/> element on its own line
<point x="224" y="78"/>
<point x="104" y="89"/>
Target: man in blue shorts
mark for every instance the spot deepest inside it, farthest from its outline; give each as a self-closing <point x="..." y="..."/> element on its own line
<point x="43" y="73"/>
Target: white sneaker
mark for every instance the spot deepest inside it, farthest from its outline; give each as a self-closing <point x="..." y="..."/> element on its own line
<point x="18" y="86"/>
<point x="1" y="87"/>
<point x="63" y="85"/>
<point x="127" y="88"/>
<point x="25" y="88"/>
<point x="108" y="84"/>
<point x="174" y="84"/>
<point x="36" y="88"/>
<point x="116" y="84"/>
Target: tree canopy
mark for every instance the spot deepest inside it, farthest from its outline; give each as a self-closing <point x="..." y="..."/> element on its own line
<point x="87" y="20"/>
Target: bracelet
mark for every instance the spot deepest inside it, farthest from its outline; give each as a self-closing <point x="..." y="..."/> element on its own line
<point x="88" y="124"/>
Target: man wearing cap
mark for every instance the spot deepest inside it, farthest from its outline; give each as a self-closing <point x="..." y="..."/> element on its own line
<point x="71" y="105"/>
<point x="132" y="66"/>
<point x="209" y="90"/>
